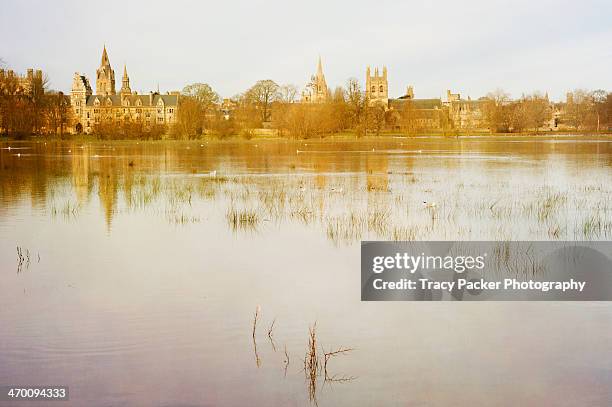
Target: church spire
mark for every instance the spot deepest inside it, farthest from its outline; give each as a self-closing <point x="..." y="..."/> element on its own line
<point x="125" y="83"/>
<point x="320" y="92"/>
<point x="105" y="61"/>
<point x="105" y="76"/>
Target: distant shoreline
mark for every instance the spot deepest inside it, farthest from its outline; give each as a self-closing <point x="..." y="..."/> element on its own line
<point x="331" y="138"/>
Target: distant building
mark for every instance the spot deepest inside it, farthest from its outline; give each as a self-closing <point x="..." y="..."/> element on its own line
<point x="227" y="108"/>
<point x="316" y="91"/>
<point x="424" y="113"/>
<point x="377" y="87"/>
<point x="22" y="84"/>
<point x="127" y="106"/>
<point x="465" y="114"/>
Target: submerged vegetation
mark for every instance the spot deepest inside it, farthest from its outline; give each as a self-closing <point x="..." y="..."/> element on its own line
<point x="347" y="192"/>
<point x="401" y="211"/>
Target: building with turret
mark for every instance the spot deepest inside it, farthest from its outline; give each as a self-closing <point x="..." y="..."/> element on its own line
<point x="106" y="106"/>
<point x="316" y="91"/>
<point x="377" y="87"/>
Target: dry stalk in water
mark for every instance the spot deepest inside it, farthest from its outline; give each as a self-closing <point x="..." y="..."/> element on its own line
<point x="271" y="328"/>
<point x="329" y="355"/>
<point x="256" y="317"/>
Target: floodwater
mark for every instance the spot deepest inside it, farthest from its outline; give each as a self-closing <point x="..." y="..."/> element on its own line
<point x="131" y="272"/>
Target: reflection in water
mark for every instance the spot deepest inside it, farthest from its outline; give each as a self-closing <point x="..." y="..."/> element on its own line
<point x="154" y="254"/>
<point x="409" y="190"/>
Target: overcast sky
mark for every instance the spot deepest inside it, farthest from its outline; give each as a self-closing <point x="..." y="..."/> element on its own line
<point x="468" y="46"/>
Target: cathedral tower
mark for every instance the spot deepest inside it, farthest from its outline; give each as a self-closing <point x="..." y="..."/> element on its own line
<point x="377" y="87"/>
<point x="105" y="76"/>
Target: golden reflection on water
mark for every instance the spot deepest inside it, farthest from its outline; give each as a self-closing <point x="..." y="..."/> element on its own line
<point x="391" y="189"/>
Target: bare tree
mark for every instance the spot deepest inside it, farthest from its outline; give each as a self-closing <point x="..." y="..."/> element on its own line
<point x="357" y="105"/>
<point x="287" y="93"/>
<point x="580" y="111"/>
<point x="203" y="93"/>
<point x="263" y="94"/>
<point x="600" y="97"/>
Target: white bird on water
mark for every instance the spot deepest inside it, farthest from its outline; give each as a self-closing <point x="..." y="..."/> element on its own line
<point x="213" y="173"/>
<point x="431" y="205"/>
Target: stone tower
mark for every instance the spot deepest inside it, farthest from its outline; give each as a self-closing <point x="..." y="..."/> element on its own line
<point x="377" y="87"/>
<point x="81" y="90"/>
<point x="125" y="83"/>
<point x="317" y="91"/>
<point x="105" y="77"/>
<point x="320" y="86"/>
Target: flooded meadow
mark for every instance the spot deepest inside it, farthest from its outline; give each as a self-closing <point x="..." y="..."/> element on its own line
<point x="228" y="273"/>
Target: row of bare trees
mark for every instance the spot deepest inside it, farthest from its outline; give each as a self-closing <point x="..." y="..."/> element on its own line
<point x="586" y="110"/>
<point x="269" y="105"/>
<point x="582" y="111"/>
<point x="501" y="114"/>
<point x="28" y="108"/>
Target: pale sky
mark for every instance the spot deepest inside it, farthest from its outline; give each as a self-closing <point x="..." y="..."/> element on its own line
<point x="471" y="47"/>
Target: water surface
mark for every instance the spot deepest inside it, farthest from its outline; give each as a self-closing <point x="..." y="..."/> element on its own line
<point x="143" y="264"/>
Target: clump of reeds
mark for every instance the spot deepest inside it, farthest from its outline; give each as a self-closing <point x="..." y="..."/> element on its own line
<point x="242" y="219"/>
<point x="595" y="227"/>
<point x="311" y="360"/>
<point x="378" y="221"/>
<point x="23" y="258"/>
<point x="181" y="218"/>
<point x="311" y="363"/>
<point x="403" y="233"/>
<point x="346" y="228"/>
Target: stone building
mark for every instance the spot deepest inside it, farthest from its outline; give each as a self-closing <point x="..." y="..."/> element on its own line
<point x="377" y="87"/>
<point x="22" y="84"/>
<point x="316" y="91"/>
<point x="107" y="106"/>
<point x="418" y="114"/>
<point x="465" y="114"/>
<point x="105" y="76"/>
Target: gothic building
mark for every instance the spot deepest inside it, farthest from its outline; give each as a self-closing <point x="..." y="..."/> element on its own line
<point x="423" y="113"/>
<point x="377" y="87"/>
<point x="316" y="91"/>
<point x="106" y="106"/>
<point x="105" y="77"/>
